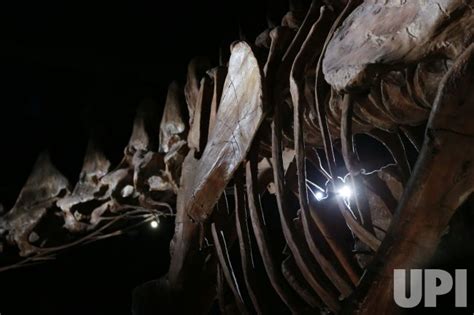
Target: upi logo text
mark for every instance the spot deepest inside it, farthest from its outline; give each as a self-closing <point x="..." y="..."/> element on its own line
<point x="436" y="282"/>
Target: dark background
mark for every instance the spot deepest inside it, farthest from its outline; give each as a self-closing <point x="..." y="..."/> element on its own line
<point x="67" y="66"/>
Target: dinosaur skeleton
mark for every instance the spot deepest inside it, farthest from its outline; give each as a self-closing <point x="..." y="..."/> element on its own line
<point x="253" y="152"/>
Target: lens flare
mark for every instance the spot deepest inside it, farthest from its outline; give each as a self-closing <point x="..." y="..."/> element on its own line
<point x="154" y="224"/>
<point x="319" y="196"/>
<point x="345" y="192"/>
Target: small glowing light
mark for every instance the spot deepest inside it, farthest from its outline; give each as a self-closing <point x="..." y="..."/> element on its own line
<point x="345" y="192"/>
<point x="319" y="195"/>
<point x="154" y="224"/>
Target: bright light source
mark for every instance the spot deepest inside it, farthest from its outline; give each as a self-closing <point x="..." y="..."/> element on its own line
<point x="319" y="195"/>
<point x="345" y="191"/>
<point x="154" y="224"/>
<point x="317" y="191"/>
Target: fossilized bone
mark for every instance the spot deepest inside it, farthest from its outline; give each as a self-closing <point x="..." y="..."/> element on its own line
<point x="278" y="123"/>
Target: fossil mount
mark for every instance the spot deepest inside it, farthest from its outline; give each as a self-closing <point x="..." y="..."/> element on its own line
<point x="262" y="150"/>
